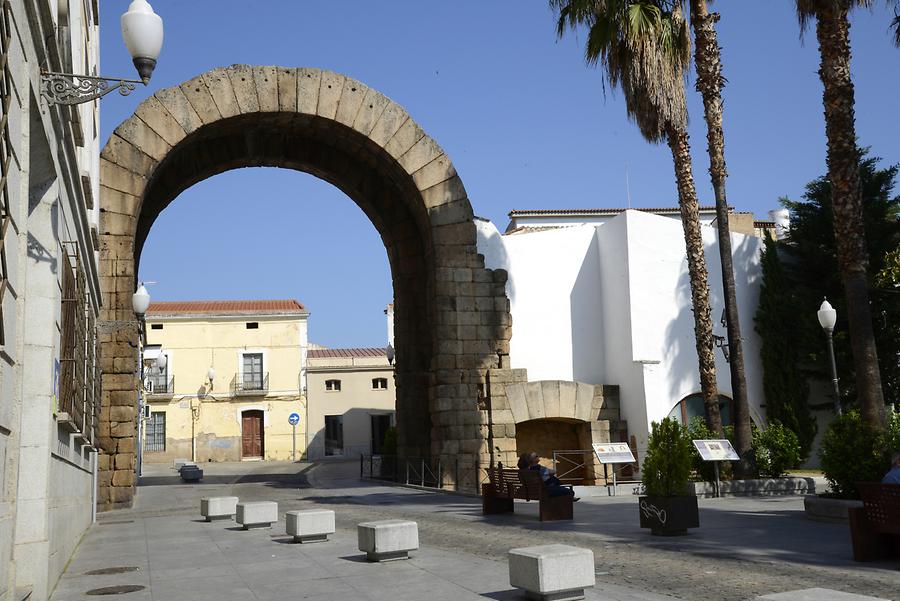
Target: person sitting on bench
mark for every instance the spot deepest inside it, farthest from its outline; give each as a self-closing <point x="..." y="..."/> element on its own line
<point x="555" y="488"/>
<point x="893" y="475"/>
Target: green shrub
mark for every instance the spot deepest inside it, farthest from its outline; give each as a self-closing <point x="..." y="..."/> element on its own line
<point x="698" y="430"/>
<point x="852" y="451"/>
<point x="892" y="438"/>
<point x="667" y="465"/>
<point x="777" y="449"/>
<point x="389" y="446"/>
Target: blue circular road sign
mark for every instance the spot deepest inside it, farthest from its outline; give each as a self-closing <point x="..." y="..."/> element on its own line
<point x="294" y="419"/>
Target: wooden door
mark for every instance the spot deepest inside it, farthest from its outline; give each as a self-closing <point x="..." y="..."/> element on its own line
<point x="252" y="440"/>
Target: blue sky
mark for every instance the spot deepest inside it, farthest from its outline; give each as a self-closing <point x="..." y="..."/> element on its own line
<point x="526" y="124"/>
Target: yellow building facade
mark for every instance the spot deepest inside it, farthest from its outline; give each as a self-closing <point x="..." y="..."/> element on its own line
<point x="233" y="373"/>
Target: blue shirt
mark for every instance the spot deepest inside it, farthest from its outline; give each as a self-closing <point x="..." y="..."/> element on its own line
<point x="892" y="477"/>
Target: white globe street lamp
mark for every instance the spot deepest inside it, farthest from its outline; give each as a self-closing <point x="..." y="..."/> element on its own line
<point x="389" y="351"/>
<point x="161" y="362"/>
<point x="142" y="31"/>
<point x="827" y="319"/>
<point x="140" y="301"/>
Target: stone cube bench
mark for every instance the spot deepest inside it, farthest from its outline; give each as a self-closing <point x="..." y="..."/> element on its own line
<point x="385" y="540"/>
<point x="260" y="514"/>
<point x="310" y="525"/>
<point x="218" y="508"/>
<point x="552" y="572"/>
<point x="191" y="473"/>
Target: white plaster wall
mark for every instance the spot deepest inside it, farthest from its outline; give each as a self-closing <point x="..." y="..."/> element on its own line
<point x="553" y="276"/>
<point x="611" y="304"/>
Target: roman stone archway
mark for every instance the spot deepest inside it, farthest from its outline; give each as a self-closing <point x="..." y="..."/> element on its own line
<point x="451" y="314"/>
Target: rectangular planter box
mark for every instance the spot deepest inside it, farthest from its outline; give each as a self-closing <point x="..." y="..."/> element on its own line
<point x="763" y="487"/>
<point x="669" y="515"/>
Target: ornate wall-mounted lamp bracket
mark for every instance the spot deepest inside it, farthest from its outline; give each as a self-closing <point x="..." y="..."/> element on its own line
<point x="66" y="88"/>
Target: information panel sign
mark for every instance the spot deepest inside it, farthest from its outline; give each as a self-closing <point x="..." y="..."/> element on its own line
<point x="716" y="450"/>
<point x="613" y="452"/>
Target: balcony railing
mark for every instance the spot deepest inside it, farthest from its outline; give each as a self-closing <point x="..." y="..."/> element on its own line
<point x="253" y="383"/>
<point x="160" y="384"/>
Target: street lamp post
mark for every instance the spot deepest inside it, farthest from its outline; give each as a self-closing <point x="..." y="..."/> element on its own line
<point x="827" y="318"/>
<point x="142" y="32"/>
<point x="140" y="302"/>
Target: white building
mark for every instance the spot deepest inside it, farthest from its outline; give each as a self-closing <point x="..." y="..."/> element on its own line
<point x="603" y="297"/>
<point x="49" y="295"/>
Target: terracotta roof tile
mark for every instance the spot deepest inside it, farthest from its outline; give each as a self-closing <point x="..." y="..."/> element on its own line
<point x="335" y="353"/>
<point x="229" y="307"/>
<point x="523" y="213"/>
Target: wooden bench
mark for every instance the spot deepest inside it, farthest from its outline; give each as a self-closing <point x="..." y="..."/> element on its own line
<point x="875" y="527"/>
<point x="506" y="485"/>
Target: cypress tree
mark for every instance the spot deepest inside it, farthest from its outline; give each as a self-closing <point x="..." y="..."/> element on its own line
<point x="784" y="386"/>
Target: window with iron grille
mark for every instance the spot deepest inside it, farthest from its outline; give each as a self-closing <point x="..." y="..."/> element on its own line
<point x="156" y="433"/>
<point x="5" y="152"/>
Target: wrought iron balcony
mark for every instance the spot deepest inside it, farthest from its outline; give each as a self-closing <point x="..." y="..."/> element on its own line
<point x="252" y="383"/>
<point x="160" y="385"/>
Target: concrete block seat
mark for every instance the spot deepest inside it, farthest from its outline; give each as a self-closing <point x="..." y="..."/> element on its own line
<point x="218" y="508"/>
<point x="191" y="473"/>
<point x="552" y="572"/>
<point x="385" y="540"/>
<point x="260" y="514"/>
<point x="310" y="525"/>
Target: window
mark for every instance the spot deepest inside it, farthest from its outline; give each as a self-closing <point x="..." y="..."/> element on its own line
<point x="253" y="371"/>
<point x="334" y="434"/>
<point x="333" y="385"/>
<point x="159" y="379"/>
<point x="156" y="326"/>
<point x="692" y="406"/>
<point x="252" y="325"/>
<point x="379" y="383"/>
<point x="156" y="433"/>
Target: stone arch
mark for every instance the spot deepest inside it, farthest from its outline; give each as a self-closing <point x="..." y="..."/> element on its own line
<point x="561" y="415"/>
<point x="451" y="314"/>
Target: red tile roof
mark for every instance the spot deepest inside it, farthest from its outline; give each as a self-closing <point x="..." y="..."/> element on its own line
<point x="334" y="353"/>
<point x="239" y="307"/>
<point x="553" y="212"/>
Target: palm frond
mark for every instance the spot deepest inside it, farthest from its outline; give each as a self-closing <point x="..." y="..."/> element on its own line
<point x="643" y="47"/>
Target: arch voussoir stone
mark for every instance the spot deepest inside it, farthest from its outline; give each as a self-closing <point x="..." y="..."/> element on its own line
<point x="198" y="95"/>
<point x="218" y="82"/>
<point x="266" y="79"/>
<point x="157" y="117"/>
<point x="451" y="314"/>
<point x="179" y="107"/>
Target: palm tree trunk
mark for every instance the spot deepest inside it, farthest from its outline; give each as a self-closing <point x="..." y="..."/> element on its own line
<point x="833" y="34"/>
<point x="707" y="58"/>
<point x="699" y="277"/>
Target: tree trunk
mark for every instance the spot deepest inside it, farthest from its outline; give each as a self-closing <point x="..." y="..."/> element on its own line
<point x="693" y="239"/>
<point x="707" y="58"/>
<point x="833" y="34"/>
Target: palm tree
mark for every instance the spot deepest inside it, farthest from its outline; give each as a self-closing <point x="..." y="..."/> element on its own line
<point x="708" y="63"/>
<point x="833" y="34"/>
<point x="644" y="50"/>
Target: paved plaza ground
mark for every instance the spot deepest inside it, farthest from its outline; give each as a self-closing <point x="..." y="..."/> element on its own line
<point x="745" y="547"/>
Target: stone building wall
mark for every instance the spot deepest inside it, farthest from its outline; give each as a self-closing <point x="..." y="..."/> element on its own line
<point x="47" y="213"/>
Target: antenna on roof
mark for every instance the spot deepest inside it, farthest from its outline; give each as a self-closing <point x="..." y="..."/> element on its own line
<point x="627" y="186"/>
